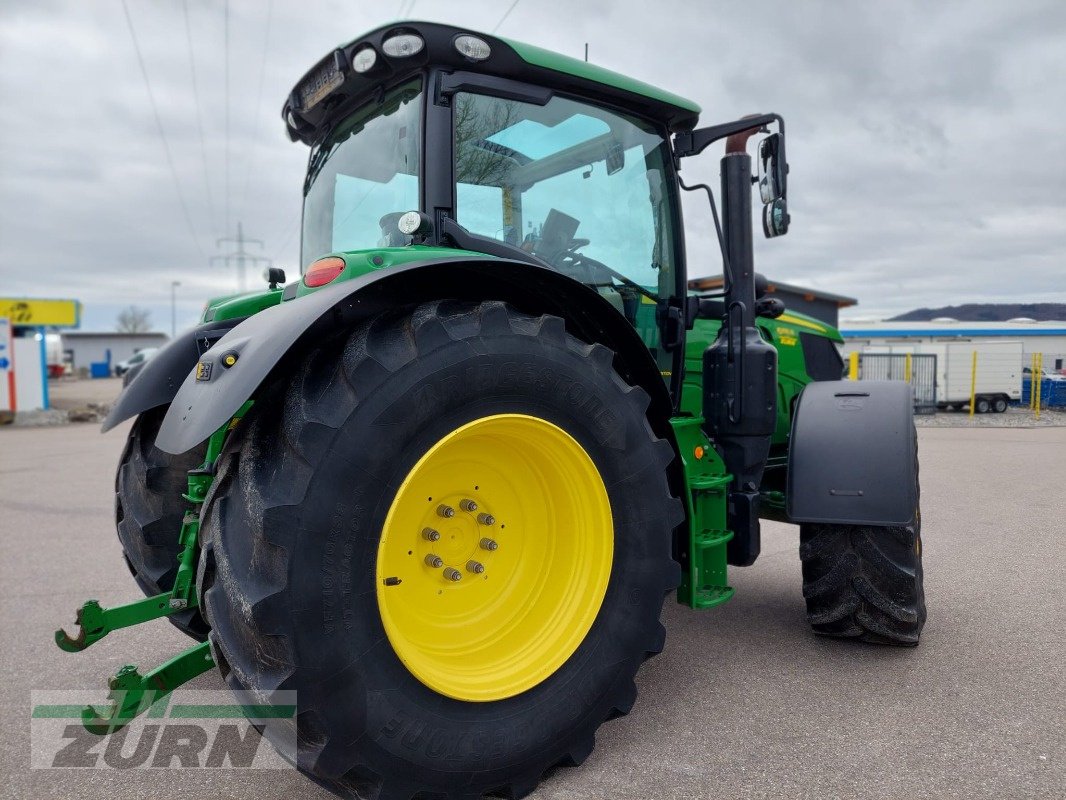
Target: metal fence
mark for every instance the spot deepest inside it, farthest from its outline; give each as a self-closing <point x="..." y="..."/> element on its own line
<point x="917" y="370"/>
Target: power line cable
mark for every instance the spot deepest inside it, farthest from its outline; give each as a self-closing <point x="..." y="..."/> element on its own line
<point x="225" y="35"/>
<point x="159" y="128"/>
<point x="258" y="106"/>
<point x="199" y="116"/>
<point x="506" y="14"/>
<point x="291" y="229"/>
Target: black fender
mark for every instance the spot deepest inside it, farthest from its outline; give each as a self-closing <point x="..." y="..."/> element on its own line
<point x="213" y="392"/>
<point x="852" y="456"/>
<point x="155" y="382"/>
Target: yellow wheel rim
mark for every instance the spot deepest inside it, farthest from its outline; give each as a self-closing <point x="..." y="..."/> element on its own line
<point x="529" y="535"/>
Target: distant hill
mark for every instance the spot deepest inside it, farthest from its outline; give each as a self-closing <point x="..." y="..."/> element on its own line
<point x="987" y="312"/>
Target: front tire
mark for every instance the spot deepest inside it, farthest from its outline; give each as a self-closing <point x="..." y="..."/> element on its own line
<point x="316" y="527"/>
<point x="865" y="582"/>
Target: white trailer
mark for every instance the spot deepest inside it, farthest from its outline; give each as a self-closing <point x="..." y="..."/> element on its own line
<point x="998" y="373"/>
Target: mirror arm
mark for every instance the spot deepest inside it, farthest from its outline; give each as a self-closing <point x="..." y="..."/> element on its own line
<point x="692" y="143"/>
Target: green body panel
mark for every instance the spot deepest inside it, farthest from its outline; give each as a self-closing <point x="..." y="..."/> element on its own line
<point x="240" y="305"/>
<point x="547" y="59"/>
<point x="360" y="262"/>
<point x="704" y="568"/>
<point x="783" y="334"/>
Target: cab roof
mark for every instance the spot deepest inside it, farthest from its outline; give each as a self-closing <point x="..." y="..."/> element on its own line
<point x="332" y="89"/>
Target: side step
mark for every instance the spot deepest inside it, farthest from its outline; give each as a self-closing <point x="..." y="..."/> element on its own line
<point x="704" y="578"/>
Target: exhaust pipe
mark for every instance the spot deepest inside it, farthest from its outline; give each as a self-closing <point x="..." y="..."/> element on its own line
<point x="740" y="367"/>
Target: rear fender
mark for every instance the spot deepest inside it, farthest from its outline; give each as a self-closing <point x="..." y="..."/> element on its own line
<point x="852" y="456"/>
<point x="213" y="391"/>
<point x="157" y="380"/>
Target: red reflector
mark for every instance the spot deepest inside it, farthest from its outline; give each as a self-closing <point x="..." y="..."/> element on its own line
<point x="323" y="271"/>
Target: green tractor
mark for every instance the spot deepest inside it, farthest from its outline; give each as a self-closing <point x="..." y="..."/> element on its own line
<point x="440" y="486"/>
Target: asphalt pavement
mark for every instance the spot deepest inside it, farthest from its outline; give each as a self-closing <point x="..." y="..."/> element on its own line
<point x="744" y="702"/>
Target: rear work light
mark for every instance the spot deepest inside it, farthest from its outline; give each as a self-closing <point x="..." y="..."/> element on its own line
<point x="473" y="47"/>
<point x="403" y="45"/>
<point x="323" y="271"/>
<point x="364" y="60"/>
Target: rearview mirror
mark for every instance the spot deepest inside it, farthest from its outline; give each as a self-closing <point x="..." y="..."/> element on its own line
<point x="775" y="218"/>
<point x="772" y="168"/>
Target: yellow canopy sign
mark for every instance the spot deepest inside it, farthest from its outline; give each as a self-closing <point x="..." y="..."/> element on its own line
<point x="33" y="311"/>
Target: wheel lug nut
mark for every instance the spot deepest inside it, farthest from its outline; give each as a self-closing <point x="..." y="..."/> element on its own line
<point x="486" y="519"/>
<point x="475" y="566"/>
<point x="430" y="535"/>
<point x="446" y="511"/>
<point x="488" y="544"/>
<point x="468" y="505"/>
<point x="452" y="574"/>
<point x="434" y="561"/>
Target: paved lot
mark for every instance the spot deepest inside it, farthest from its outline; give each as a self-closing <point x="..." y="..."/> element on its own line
<point x="68" y="393"/>
<point x="743" y="703"/>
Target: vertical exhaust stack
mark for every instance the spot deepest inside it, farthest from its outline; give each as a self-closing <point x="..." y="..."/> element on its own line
<point x="740" y="367"/>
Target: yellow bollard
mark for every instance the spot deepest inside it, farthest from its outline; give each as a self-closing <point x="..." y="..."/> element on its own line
<point x="907" y="368"/>
<point x="853" y="367"/>
<point x="1032" y="381"/>
<point x="1038" y="376"/>
<point x="973" y="383"/>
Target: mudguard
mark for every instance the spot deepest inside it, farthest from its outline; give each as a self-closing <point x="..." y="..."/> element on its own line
<point x="232" y="370"/>
<point x="852" y="456"/>
<point x="157" y="380"/>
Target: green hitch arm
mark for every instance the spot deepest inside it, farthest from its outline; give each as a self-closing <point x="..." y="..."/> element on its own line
<point x="96" y="622"/>
<point x="132" y="694"/>
<point x="200" y="481"/>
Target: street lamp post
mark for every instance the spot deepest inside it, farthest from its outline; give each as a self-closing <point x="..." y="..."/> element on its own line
<point x="173" y="308"/>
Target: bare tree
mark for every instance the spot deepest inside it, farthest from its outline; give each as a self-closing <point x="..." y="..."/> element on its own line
<point x="134" y="320"/>
<point x="479" y="161"/>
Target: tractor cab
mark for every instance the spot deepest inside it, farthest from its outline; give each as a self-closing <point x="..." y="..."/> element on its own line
<point x="503" y="149"/>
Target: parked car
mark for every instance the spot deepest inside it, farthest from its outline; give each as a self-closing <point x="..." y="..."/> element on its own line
<point x="122" y="367"/>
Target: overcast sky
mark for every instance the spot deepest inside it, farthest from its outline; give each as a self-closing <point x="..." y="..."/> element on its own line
<point x="925" y="139"/>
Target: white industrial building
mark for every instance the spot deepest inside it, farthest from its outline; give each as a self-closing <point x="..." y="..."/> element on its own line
<point x="83" y="348"/>
<point x="1048" y="338"/>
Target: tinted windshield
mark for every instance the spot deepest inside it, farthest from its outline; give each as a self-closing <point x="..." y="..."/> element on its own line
<point x="363" y="177"/>
<point x="579" y="186"/>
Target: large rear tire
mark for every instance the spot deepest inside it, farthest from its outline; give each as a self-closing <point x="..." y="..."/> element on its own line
<point x="148" y="512"/>
<point x="316" y="573"/>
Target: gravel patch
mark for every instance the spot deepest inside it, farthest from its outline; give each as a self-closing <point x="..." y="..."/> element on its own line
<point x="1011" y="418"/>
<point x="39" y="417"/>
